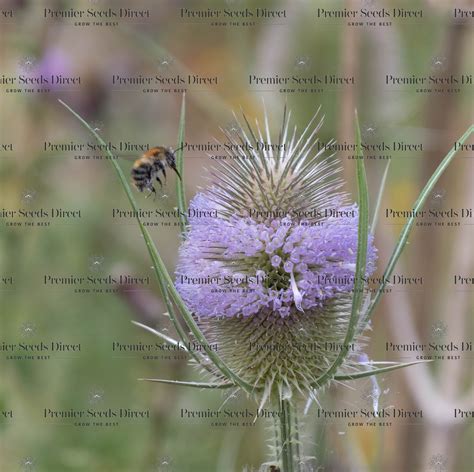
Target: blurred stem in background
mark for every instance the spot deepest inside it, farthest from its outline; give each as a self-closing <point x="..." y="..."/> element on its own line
<point x="349" y="67"/>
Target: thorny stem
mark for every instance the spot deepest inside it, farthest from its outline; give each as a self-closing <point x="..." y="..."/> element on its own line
<point x="287" y="436"/>
<point x="296" y="436"/>
<point x="276" y="436"/>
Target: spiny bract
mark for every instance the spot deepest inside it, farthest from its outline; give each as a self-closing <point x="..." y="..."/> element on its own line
<point x="269" y="275"/>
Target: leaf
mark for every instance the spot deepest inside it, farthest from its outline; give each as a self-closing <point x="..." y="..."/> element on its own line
<point x="403" y="238"/>
<point x="362" y="242"/>
<point x="191" y="384"/>
<point x="165" y="282"/>
<point x="165" y="338"/>
<point x="183" y="219"/>
<point x="382" y="370"/>
<point x="379" y="198"/>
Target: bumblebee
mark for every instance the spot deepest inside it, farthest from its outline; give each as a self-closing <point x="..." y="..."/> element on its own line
<point x="148" y="167"/>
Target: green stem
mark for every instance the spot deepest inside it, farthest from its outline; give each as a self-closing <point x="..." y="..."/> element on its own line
<point x="379" y="198"/>
<point x="276" y="435"/>
<point x="289" y="450"/>
<point x="296" y="436"/>
<point x="361" y="262"/>
<point x="183" y="219"/>
<point x="403" y="238"/>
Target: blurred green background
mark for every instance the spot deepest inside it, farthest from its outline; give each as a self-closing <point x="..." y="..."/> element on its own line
<point x="166" y="44"/>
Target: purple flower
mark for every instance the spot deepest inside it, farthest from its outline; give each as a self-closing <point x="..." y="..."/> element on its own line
<point x="55" y="62"/>
<point x="301" y="266"/>
<point x="270" y="278"/>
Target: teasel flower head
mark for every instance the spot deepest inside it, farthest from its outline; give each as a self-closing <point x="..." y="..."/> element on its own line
<point x="268" y="263"/>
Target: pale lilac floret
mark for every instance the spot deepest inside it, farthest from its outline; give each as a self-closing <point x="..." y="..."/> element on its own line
<point x="290" y="265"/>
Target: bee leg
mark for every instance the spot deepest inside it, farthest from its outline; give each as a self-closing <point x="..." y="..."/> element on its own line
<point x="152" y="190"/>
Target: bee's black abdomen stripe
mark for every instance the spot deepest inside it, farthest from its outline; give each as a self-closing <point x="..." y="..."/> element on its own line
<point x="140" y="171"/>
<point x="141" y="177"/>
